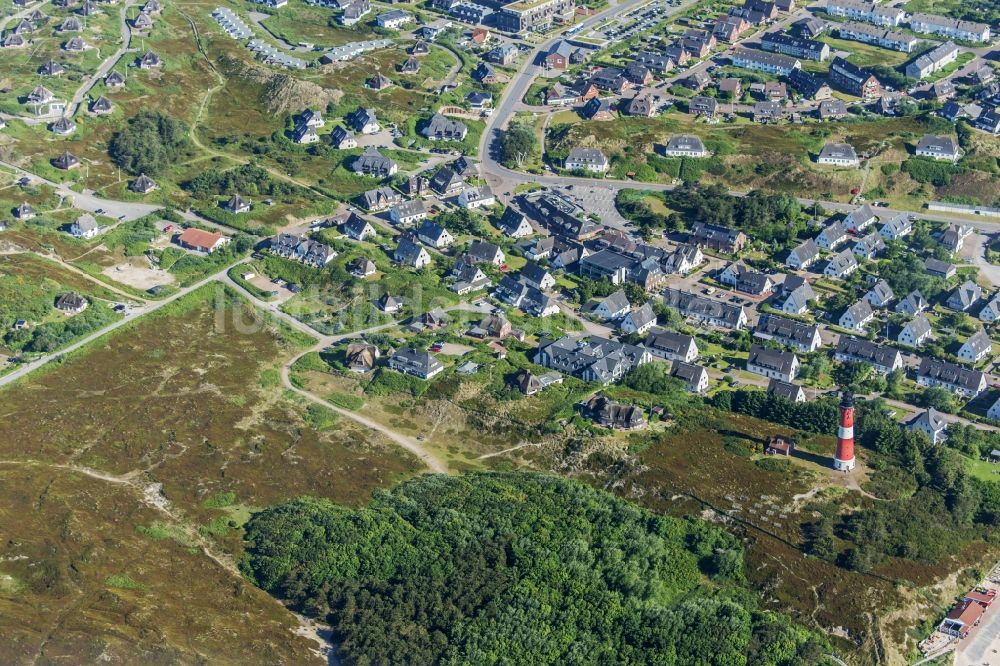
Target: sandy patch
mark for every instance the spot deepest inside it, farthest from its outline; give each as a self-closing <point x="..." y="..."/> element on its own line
<point x="137" y="273"/>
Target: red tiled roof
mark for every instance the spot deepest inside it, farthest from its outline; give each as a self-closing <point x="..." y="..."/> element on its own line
<point x="200" y="239"/>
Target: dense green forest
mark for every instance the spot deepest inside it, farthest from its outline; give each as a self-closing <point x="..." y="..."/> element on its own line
<point x="518" y="568"/>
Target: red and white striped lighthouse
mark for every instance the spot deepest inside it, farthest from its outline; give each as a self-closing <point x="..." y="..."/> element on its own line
<point x="844" y="460"/>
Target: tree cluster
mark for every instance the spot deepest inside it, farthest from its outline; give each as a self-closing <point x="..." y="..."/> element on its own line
<point x="246" y="179"/>
<point x="515" y="568"/>
<point x="150" y="142"/>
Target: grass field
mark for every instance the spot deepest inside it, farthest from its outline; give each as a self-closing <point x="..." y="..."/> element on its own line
<point x="184" y="400"/>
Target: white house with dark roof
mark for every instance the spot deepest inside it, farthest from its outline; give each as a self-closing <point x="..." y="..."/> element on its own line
<point x="964" y="296"/>
<point x="957" y="379"/>
<point x="938" y="148"/>
<point x="671" y="346"/>
<point x="897" y="227"/>
<point x="639" y="320"/>
<point x="536" y="276"/>
<point x="408" y="213"/>
<point x="786" y="390"/>
<point x="882" y="358"/>
<point x="931" y="423"/>
<point x="613" y="306"/>
<point x="789" y="332"/>
<point x="991" y="311"/>
<point x="880" y="295"/>
<point x="916" y="332"/>
<point x="587" y="159"/>
<point x="685" y="145"/>
<point x="695" y="377"/>
<point x="797" y="300"/>
<point x="803" y="255"/>
<point x="841" y="265"/>
<point x="484" y="252"/>
<point x="838" y="154"/>
<point x="772" y="363"/>
<point x="977" y="347"/>
<point x="856" y="316"/>
<point x="435" y="235"/>
<point x="831" y="236"/>
<point x="409" y="253"/>
<point x="869" y="247"/>
<point x="514" y="224"/>
<point x="860" y="219"/>
<point x="913" y="304"/>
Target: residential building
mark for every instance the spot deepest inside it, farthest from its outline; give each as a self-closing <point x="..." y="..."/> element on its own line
<point x="831" y="236"/>
<point x="869" y="12"/>
<point x="435" y="235"/>
<point x="411" y="361"/>
<point x="363" y="121"/>
<point x="587" y="159"/>
<point x="302" y="249"/>
<point x="762" y="61"/>
<point x="470" y="278"/>
<point x="200" y="240"/>
<point x="613" y="306"/>
<point x="814" y="88"/>
<point x="372" y="163"/>
<point x="869" y="246"/>
<point x="877" y="36"/>
<point x="705" y="310"/>
<point x="786" y="390"/>
<point x="393" y="19"/>
<point x="703" y="106"/>
<point x="977" y="347"/>
<point x="717" y="237"/>
<point x="916" y="332"/>
<point x="943" y="26"/>
<point x="379" y="199"/>
<point x="991" y="311"/>
<point x="797" y="47"/>
<point x="939" y="268"/>
<point x="591" y="358"/>
<point x="797" y="300"/>
<point x="71" y="303"/>
<point x="342" y="139"/>
<point x="408" y="213"/>
<point x="671" y="346"/>
<point x="882" y="358"/>
<point x="897" y="227"/>
<point x="932" y="61"/>
<point x="514" y="224"/>
<point x="768" y="112"/>
<point x="357" y="228"/>
<point x="476" y="197"/>
<point x="857" y="316"/>
<point x="852" y="79"/>
<point x="533" y="15"/>
<point x="409" y="253"/>
<point x="610" y="414"/>
<point x="85" y="226"/>
<point x="938" y="148"/>
<point x="536" y="276"/>
<point x="963" y="381"/>
<point x="965" y="296"/>
<point x="446" y="182"/>
<point x="685" y="145"/>
<point x="442" y="128"/>
<point x="483" y="252"/>
<point x="931" y="423"/>
<point x="913" y="304"/>
<point x="860" y="219"/>
<point x="695" y="377"/>
<point x="772" y="363"/>
<point x="789" y="332"/>
<point x="841" y="265"/>
<point x="638" y="320"/>
<point x="880" y="295"/>
<point x="838" y="154"/>
<point x="803" y="255"/>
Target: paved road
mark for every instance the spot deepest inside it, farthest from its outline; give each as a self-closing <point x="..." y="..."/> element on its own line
<point x="131" y="316"/>
<point x="105" y="67"/>
<point x="128" y="210"/>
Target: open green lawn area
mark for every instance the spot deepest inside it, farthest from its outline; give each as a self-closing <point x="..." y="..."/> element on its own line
<point x="191" y="416"/>
<point x="982" y="469"/>
<point x="299" y="23"/>
<point x="865" y="55"/>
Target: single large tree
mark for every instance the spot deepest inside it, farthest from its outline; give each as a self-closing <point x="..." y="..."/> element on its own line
<point x="516" y="145"/>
